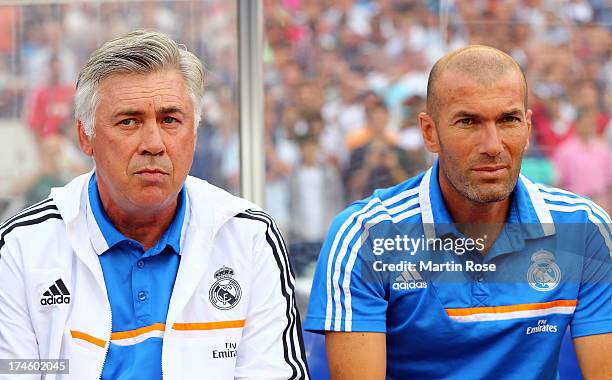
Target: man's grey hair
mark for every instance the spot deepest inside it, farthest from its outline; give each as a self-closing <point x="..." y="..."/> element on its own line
<point x="137" y="52"/>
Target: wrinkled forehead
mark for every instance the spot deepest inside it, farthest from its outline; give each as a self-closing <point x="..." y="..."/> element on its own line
<point x="148" y="78"/>
<point x="135" y="94"/>
<point x="125" y="86"/>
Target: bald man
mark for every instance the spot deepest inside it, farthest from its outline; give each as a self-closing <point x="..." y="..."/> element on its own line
<point x="469" y="270"/>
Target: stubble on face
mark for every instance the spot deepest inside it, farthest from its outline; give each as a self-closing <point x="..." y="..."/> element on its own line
<point x="478" y="192"/>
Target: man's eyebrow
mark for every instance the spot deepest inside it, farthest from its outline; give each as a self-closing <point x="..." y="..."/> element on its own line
<point x="133" y="112"/>
<point x="170" y="109"/>
<point x="463" y="114"/>
<point x="513" y="112"/>
<point x="127" y="112"/>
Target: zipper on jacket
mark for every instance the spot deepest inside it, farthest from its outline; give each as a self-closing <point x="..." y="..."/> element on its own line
<point x="162" y="359"/>
<point x="110" y="332"/>
<point x="166" y="330"/>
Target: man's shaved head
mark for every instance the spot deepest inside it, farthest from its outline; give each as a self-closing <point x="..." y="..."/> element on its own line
<point x="483" y="64"/>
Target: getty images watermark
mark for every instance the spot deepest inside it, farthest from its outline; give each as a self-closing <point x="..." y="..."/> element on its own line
<point x="412" y="256"/>
<point x="406" y="245"/>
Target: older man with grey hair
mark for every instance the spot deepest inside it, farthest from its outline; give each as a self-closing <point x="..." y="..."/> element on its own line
<point x="136" y="270"/>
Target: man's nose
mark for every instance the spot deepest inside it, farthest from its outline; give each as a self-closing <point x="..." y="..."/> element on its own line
<point x="151" y="141"/>
<point x="490" y="140"/>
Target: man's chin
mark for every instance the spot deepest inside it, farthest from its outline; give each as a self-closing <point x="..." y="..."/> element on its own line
<point x="151" y="199"/>
<point x="489" y="197"/>
<point x="488" y="193"/>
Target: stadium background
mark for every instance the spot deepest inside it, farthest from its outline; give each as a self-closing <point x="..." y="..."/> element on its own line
<point x="343" y="82"/>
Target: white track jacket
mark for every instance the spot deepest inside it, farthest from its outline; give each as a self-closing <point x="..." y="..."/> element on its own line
<point x="232" y="313"/>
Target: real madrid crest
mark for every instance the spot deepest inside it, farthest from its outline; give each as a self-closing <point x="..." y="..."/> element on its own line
<point x="544" y="274"/>
<point x="225" y="292"/>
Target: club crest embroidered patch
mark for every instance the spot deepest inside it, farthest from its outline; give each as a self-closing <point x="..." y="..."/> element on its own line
<point x="225" y="293"/>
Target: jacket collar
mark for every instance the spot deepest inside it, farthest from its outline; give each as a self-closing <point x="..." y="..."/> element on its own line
<point x="104" y="234"/>
<point x="527" y="208"/>
<point x="214" y="205"/>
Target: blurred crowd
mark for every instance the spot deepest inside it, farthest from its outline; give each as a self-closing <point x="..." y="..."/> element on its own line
<point x="344" y="83"/>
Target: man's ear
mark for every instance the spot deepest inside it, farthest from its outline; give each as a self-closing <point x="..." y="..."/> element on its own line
<point x="84" y="140"/>
<point x="528" y="120"/>
<point x="428" y="130"/>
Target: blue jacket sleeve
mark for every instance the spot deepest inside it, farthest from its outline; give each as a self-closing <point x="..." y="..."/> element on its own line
<point x="344" y="295"/>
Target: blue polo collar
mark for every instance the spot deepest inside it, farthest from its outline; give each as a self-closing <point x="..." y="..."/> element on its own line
<point x="105" y="236"/>
<point x="527" y="208"/>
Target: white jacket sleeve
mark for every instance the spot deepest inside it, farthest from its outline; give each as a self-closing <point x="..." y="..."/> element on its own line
<point x="17" y="338"/>
<point x="272" y="345"/>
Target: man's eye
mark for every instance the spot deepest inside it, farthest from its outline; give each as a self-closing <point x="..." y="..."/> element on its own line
<point x="128" y="122"/>
<point x="169" y="120"/>
<point x="511" y="119"/>
<point x="466" y="121"/>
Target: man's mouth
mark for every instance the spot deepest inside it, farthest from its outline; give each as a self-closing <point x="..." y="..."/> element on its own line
<point x="151" y="171"/>
<point x="151" y="174"/>
<point x="490" y="171"/>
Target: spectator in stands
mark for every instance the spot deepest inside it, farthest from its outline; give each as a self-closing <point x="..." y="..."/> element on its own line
<point x="51" y="108"/>
<point x="377" y="122"/>
<point x="584" y="162"/>
<point x="316" y="196"/>
<point x="49" y="175"/>
<point x="415" y="158"/>
<point x="380" y="168"/>
<point x="59" y="160"/>
<point x="316" y="193"/>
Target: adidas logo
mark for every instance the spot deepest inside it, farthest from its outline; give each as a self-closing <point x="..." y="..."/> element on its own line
<point x="408" y="280"/>
<point x="57" y="294"/>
